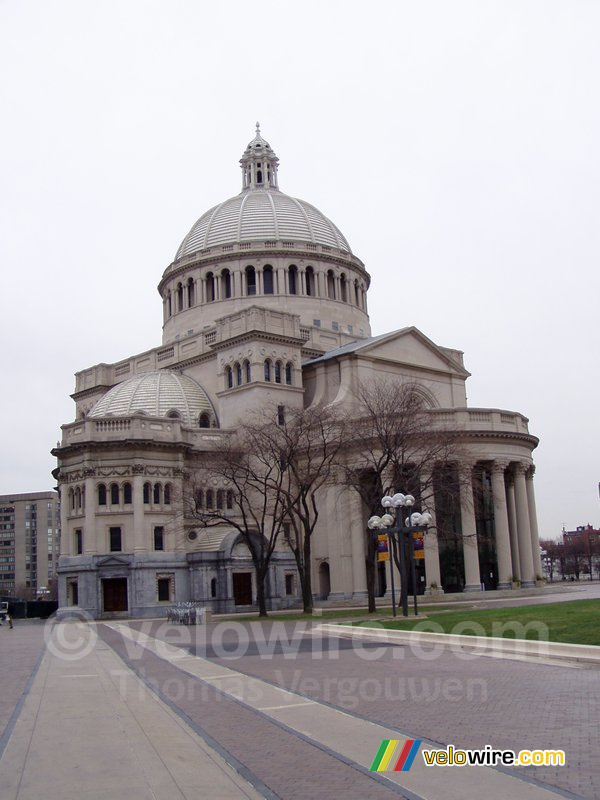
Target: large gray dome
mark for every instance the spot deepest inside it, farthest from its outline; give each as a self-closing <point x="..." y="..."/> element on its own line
<point x="158" y="394"/>
<point x="262" y="215"/>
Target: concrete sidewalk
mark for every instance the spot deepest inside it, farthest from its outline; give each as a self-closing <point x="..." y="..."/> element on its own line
<point x="88" y="728"/>
<point x="350" y="738"/>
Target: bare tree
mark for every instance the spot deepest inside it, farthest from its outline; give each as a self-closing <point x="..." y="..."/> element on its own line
<point x="251" y="501"/>
<point x="275" y="467"/>
<point x="397" y="445"/>
<point x="309" y="443"/>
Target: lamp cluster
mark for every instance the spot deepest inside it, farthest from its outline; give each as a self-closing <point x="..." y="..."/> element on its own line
<point x="398" y="501"/>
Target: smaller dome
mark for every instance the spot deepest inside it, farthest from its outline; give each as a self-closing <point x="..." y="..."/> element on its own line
<point x="158" y="394"/>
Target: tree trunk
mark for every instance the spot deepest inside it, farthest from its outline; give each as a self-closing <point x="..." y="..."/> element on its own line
<point x="261" y="599"/>
<point x="307" y="597"/>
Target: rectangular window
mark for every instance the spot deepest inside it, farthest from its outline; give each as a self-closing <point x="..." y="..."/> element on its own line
<point x="159" y="537"/>
<point x="289" y="585"/>
<point x="164" y="588"/>
<point x="115" y="540"/>
<point x="281" y="415"/>
<point x="78" y="542"/>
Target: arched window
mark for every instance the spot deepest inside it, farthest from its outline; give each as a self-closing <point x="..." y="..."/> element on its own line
<point x="213" y="587"/>
<point x="293" y="279"/>
<point x="259" y="173"/>
<point x="71" y="499"/>
<point x="199" y="498"/>
<point x="278" y="372"/>
<point x="356" y="300"/>
<point x="250" y="281"/>
<point x="226" y="283"/>
<point x="179" y="297"/>
<point x="220" y="498"/>
<point x="228" y="377"/>
<point x="210" y="502"/>
<point x="268" y="279"/>
<point x="344" y="288"/>
<point x="156" y="494"/>
<point x="147" y="490"/>
<point x="230" y="499"/>
<point x="101" y="494"/>
<point x="174" y="414"/>
<point x="169" y="305"/>
<point x="167" y="496"/>
<point x="237" y="368"/>
<point x="127" y="494"/>
<point x="114" y="494"/>
<point x="191" y="294"/>
<point x="205" y="418"/>
<point x="330" y="285"/>
<point x="288" y="374"/>
<point x="78" y="497"/>
<point x="210" y="287"/>
<point x="310" y="281"/>
<point x="267" y="370"/>
<point x="246" y="371"/>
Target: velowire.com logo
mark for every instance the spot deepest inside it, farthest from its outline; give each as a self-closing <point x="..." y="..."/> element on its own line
<point x="396" y="752"/>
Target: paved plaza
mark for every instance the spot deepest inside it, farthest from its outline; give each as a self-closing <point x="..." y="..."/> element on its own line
<point x="142" y="709"/>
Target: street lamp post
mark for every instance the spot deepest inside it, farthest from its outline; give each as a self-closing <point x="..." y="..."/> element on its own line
<point x="400" y="533"/>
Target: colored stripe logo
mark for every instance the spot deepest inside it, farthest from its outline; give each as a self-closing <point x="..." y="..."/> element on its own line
<point x="395" y="751"/>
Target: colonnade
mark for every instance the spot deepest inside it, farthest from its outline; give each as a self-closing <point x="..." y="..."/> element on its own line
<point x="515" y="534"/>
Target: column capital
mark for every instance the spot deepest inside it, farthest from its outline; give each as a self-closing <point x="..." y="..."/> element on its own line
<point x="500" y="465"/>
<point x="530" y="472"/>
<point x="520" y="467"/>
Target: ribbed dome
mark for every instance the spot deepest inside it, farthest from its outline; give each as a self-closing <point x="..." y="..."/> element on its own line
<point x="262" y="215"/>
<point x="158" y="394"/>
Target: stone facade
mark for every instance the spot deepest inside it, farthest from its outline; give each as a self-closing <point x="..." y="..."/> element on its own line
<point x="265" y="304"/>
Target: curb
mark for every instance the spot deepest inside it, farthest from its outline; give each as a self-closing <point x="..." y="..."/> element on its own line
<point x="482" y="645"/>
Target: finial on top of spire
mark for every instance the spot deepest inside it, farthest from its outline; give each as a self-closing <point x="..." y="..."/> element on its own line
<point x="258" y="128"/>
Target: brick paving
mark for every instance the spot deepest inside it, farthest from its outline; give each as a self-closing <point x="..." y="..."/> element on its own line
<point x="20" y="651"/>
<point x="291" y="767"/>
<point x="469" y="703"/>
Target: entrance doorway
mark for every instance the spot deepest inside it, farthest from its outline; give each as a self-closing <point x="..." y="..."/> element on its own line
<point x="324" y="581"/>
<point x="114" y="592"/>
<point x="242" y="588"/>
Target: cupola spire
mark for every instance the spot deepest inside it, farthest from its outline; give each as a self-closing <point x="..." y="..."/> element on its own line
<point x="259" y="164"/>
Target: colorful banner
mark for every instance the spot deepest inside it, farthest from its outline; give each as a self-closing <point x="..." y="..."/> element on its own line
<point x="382" y="547"/>
<point x="418" y="544"/>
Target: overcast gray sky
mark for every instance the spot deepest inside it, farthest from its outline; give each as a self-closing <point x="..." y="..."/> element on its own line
<point x="454" y="143"/>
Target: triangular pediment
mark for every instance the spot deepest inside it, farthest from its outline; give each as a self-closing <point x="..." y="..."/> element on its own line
<point x="408" y="346"/>
<point x="113" y="561"/>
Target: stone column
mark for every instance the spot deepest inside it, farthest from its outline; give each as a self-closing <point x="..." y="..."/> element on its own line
<point x="138" y="509"/>
<point x="282" y="287"/>
<point x="432" y="552"/>
<point x="523" y="528"/>
<point x="357" y="525"/>
<point x="302" y="282"/>
<point x="535" y="538"/>
<point x="338" y="540"/>
<point x="90" y="546"/>
<point x="501" y="527"/>
<point x="469" y="532"/>
<point x="512" y="526"/>
<point x="236" y="278"/>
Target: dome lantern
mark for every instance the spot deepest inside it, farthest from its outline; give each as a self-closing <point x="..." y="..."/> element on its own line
<point x="259" y="164"/>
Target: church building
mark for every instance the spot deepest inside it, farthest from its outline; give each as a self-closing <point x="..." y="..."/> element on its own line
<point x="264" y="304"/>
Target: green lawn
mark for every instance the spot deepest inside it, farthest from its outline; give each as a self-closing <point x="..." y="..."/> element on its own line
<point x="576" y="622"/>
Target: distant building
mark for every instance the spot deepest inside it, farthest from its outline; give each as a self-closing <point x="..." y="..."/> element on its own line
<point x="265" y="306"/>
<point x="29" y="543"/>
<point x="585" y="536"/>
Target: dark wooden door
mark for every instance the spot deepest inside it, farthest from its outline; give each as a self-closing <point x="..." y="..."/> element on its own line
<point x="242" y="588"/>
<point x="115" y="594"/>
